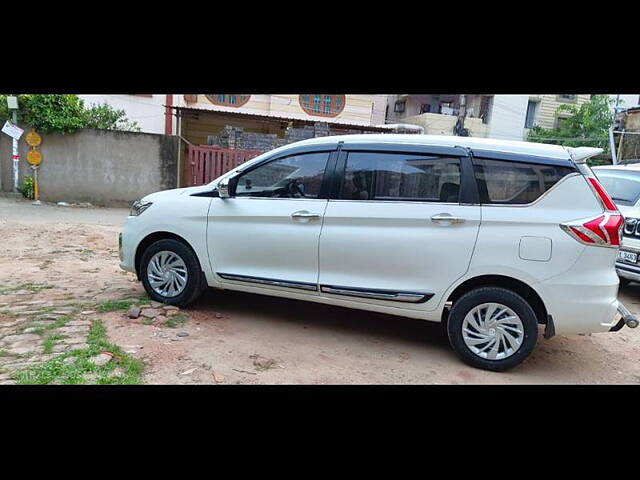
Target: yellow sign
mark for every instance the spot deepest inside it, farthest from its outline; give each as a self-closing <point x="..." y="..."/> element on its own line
<point x="33" y="139"/>
<point x="34" y="157"/>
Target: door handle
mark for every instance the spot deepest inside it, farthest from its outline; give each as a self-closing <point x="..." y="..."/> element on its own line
<point x="446" y="218"/>
<point x="304" y="214"/>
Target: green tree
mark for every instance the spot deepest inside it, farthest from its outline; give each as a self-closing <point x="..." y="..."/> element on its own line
<point x="52" y="113"/>
<point x="65" y="114"/>
<point x="586" y="125"/>
<point x="105" y="117"/>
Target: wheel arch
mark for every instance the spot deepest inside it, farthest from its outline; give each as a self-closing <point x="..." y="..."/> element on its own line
<point x="154" y="237"/>
<point x="509" y="283"/>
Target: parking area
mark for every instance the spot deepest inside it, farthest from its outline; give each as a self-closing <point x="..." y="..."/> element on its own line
<point x="62" y="262"/>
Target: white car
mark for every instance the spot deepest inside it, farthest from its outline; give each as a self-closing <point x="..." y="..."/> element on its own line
<point x="622" y="182"/>
<point x="492" y="238"/>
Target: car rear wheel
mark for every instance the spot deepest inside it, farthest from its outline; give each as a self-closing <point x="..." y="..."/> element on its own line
<point x="492" y="328"/>
<point x="171" y="273"/>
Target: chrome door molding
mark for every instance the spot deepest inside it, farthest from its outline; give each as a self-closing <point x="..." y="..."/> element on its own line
<point x="269" y="281"/>
<point x="377" y="294"/>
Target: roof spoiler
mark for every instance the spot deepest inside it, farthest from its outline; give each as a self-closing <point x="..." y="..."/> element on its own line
<point x="580" y="154"/>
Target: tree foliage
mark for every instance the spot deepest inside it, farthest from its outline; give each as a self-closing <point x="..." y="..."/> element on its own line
<point x="65" y="114"/>
<point x="586" y="125"/>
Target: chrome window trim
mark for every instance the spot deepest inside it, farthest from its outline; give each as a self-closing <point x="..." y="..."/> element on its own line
<point x="278" y="198"/>
<point x="401" y="201"/>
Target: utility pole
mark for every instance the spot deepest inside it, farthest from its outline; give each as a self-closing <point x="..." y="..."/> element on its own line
<point x="16" y="155"/>
<point x="12" y="104"/>
<point x="462" y="113"/>
<point x="612" y="143"/>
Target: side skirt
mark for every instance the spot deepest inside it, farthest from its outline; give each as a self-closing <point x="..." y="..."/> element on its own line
<point x="376" y="294"/>
<point x="394" y="296"/>
<point x="269" y="281"/>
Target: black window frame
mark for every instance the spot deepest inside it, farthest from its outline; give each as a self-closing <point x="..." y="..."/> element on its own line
<point x="325" y="186"/>
<point x="468" y="187"/>
<point x="338" y="152"/>
<point x="399" y="103"/>
<point x="518" y="159"/>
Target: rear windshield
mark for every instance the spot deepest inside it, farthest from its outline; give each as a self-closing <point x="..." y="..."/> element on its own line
<point x="515" y="183"/>
<point x="622" y="186"/>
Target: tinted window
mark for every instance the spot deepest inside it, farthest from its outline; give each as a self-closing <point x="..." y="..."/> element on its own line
<point x="298" y="176"/>
<point x="513" y="182"/>
<point x="395" y="176"/>
<point x="623" y="187"/>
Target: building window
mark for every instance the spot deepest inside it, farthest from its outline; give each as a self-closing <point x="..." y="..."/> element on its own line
<point x="399" y="106"/>
<point x="560" y="121"/>
<point x="322" y="105"/>
<point x="567" y="98"/>
<point x="532" y="108"/>
<point x="228" y="100"/>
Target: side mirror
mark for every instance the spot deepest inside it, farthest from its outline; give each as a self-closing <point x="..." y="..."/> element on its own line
<point x="227" y="187"/>
<point x="223" y="188"/>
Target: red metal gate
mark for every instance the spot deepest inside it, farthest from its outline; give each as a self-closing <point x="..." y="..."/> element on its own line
<point x="208" y="162"/>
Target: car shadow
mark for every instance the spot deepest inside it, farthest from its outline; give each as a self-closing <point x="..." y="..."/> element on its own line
<point x="382" y="327"/>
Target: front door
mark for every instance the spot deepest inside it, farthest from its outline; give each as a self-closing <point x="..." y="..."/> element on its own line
<point x="267" y="233"/>
<point x="396" y="233"/>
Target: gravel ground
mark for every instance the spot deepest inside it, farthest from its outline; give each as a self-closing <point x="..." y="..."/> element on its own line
<point x="238" y="338"/>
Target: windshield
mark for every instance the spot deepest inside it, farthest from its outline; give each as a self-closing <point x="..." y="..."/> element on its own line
<point x="622" y="186"/>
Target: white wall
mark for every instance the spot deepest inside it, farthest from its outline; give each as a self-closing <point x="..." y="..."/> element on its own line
<point x="508" y="114"/>
<point x="629" y="100"/>
<point x="147" y="111"/>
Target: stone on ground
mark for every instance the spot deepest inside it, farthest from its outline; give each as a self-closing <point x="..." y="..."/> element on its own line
<point x="150" y="312"/>
<point x="101" y="359"/>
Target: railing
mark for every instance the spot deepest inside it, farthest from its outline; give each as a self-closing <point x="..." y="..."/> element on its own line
<point x="208" y="162"/>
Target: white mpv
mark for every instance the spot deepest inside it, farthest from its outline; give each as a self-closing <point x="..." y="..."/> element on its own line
<point x="492" y="238"/>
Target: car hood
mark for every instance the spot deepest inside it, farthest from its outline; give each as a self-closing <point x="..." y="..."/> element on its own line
<point x="166" y="194"/>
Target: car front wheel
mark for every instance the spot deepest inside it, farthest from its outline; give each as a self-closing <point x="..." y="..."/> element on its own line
<point x="171" y="273"/>
<point x="492" y="328"/>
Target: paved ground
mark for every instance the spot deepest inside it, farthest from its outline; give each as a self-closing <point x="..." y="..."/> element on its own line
<point x="60" y="266"/>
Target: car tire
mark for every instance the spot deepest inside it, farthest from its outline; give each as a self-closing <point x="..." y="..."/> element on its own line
<point x="188" y="280"/>
<point x="487" y="316"/>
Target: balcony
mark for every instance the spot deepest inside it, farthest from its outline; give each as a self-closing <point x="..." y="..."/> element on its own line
<point x="438" y="114"/>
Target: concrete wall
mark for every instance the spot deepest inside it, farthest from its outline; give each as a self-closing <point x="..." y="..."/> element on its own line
<point x="507" y="117"/>
<point x="106" y="168"/>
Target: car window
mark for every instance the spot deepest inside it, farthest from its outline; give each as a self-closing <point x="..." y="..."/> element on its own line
<point x="297" y="176"/>
<point x="623" y="187"/>
<point x="399" y="176"/>
<point x="514" y="182"/>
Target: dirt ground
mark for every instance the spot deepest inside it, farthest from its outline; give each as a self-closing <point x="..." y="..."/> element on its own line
<point x="238" y="338"/>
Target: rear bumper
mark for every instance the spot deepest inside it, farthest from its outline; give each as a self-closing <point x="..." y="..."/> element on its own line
<point x="582" y="304"/>
<point x="630" y="272"/>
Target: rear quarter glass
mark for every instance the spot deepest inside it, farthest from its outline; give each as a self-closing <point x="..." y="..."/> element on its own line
<point x="516" y="182"/>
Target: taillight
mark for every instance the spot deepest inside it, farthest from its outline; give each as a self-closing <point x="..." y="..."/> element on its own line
<point x="602" y="195"/>
<point x="603" y="230"/>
